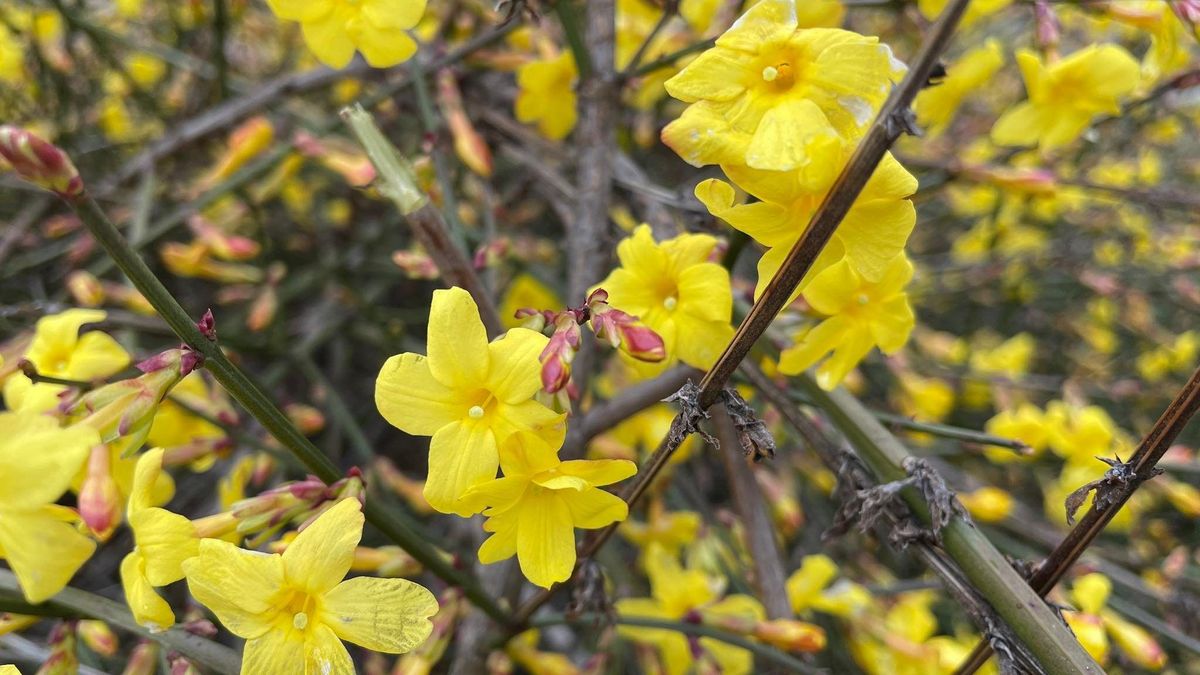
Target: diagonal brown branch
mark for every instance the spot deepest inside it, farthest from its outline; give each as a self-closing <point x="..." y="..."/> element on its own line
<point x="1142" y="467"/>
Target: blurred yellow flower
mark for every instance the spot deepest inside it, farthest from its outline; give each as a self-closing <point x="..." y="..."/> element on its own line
<point x="546" y="95"/>
<point x="333" y="29"/>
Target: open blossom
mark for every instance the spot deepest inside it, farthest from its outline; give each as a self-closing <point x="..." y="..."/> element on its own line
<point x="534" y="509"/>
<point x="468" y="394"/>
<point x="676" y="291"/>
<point x="294" y="610"/>
<point x="334" y="29"/>
<point x="869" y="238"/>
<point x="1066" y="95"/>
<point x="58" y="350"/>
<point x="768" y="90"/>
<point x="936" y="104"/>
<point x="677" y="593"/>
<point x="38" y="459"/>
<point x="860" y="314"/>
<point x="546" y="95"/>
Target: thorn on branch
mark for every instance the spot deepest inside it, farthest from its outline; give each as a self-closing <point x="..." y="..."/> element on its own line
<point x="903" y="121"/>
<point x="1109" y="488"/>
<point x="753" y="435"/>
<point x="687" y="422"/>
<point x="942" y="503"/>
<point x="881" y="504"/>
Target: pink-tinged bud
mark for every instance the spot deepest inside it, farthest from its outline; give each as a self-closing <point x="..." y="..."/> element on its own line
<point x="492" y="253"/>
<point x="62" y="659"/>
<point x="222" y="244"/>
<point x="99" y="497"/>
<point x="12" y="623"/>
<point x="195" y="260"/>
<point x="531" y="318"/>
<point x="40" y="162"/>
<point x="337" y="156"/>
<point x="263" y="309"/>
<point x="143" y="660"/>
<point x="560" y="351"/>
<point x="643" y="344"/>
<point x="308" y="419"/>
<point x="208" y="325"/>
<point x="468" y="143"/>
<point x="623" y="331"/>
<point x="1032" y="181"/>
<point x="85" y="288"/>
<point x="245" y="143"/>
<point x="791" y="635"/>
<point x="1134" y="641"/>
<point x="61" y="225"/>
<point x="409" y="489"/>
<point x="1048" y="31"/>
<point x="1188" y="12"/>
<point x="182" y="666"/>
<point x="416" y="264"/>
<point x="98" y="637"/>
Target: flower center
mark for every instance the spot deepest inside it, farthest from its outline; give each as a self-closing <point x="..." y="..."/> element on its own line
<point x="779" y="75"/>
<point x="300" y="620"/>
<point x="863" y="298"/>
<point x="300" y="606"/>
<point x="482" y="402"/>
<point x="476" y="412"/>
<point x="670" y="303"/>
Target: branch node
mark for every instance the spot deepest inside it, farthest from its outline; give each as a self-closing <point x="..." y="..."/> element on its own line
<point x="755" y="439"/>
<point x="903" y="121"/>
<point x="687" y="422"/>
<point x="1110" y="488"/>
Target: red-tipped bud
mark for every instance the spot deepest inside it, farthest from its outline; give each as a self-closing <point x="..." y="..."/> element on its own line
<point x="416" y="264"/>
<point x="98" y="637"/>
<point x="99" y="497"/>
<point x="468" y="143"/>
<point x="143" y="660"/>
<point x="1048" y="30"/>
<point x="560" y="351"/>
<point x="40" y="162"/>
<point x="791" y="635"/>
<point x="85" y="288"/>
<point x="491" y="253"/>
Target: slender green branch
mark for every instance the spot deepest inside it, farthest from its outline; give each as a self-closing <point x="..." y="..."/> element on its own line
<point x="1050" y="641"/>
<point x="668" y="59"/>
<point x="74" y="602"/>
<point x="252" y="398"/>
<point x="763" y="651"/>
<point x="568" y="16"/>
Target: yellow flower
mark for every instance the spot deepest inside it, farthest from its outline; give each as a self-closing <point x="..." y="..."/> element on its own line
<point x="860" y="315"/>
<point x="935" y="105"/>
<point x="534" y="509"/>
<point x="58" y="350"/>
<point x="525" y="291"/>
<point x="976" y="10"/>
<point x="987" y="504"/>
<point x="1065" y="96"/>
<point x="9" y="670"/>
<point x="546" y="95"/>
<point x="674" y="289"/>
<point x="468" y="395"/>
<point x="870" y="237"/>
<point x="334" y="29"/>
<point x="1080" y="434"/>
<point x="668" y="532"/>
<point x="162" y="541"/>
<point x="677" y="592"/>
<point x="770" y="89"/>
<point x="812" y="586"/>
<point x="38" y="459"/>
<point x="294" y="609"/>
<point x="1023" y="423"/>
<point x="1009" y="359"/>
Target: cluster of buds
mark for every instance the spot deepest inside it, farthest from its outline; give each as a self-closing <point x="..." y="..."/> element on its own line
<point x="789" y="635"/>
<point x="62" y="659"/>
<point x="40" y="162"/>
<point x="212" y="254"/>
<point x="620" y="330"/>
<point x="300" y="502"/>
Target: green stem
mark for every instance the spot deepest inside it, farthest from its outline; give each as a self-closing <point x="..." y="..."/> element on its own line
<point x="568" y="16"/>
<point x="763" y="651"/>
<point x="252" y="398"/>
<point x="74" y="602"/>
<point x="1050" y="641"/>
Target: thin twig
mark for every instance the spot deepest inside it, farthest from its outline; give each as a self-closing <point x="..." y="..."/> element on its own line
<point x="1141" y="467"/>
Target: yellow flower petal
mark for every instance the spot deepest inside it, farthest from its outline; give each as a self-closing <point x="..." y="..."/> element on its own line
<point x="599" y="472"/>
<point x="394" y="13"/>
<point x="381" y="47"/>
<point x="147" y="606"/>
<point x="594" y="508"/>
<point x="38" y="460"/>
<point x="275" y="651"/>
<point x="461" y="454"/>
<point x="320" y="556"/>
<point x="324" y="654"/>
<point x="545" y="540"/>
<point x="383" y="615"/>
<point x="240" y="587"/>
<point x="514" y="373"/>
<point x="457" y="342"/>
<point x="300" y="10"/>
<point x="704" y="292"/>
<point x="327" y="38"/>
<point x="42" y="550"/>
<point x="96" y="355"/>
<point x="412" y="400"/>
<point x="787" y="134"/>
<point x="166" y="540"/>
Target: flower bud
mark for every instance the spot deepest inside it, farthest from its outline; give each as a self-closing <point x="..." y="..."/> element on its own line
<point x="1188" y="12"/>
<point x="308" y="419"/>
<point x="182" y="666"/>
<point x="85" y="288"/>
<point x="143" y="660"/>
<point x="1134" y="641"/>
<point x="560" y="351"/>
<point x="99" y="497"/>
<point x="98" y="637"/>
<point x="62" y="659"/>
<point x="338" y="157"/>
<point x="791" y="635"/>
<point x="468" y="143"/>
<point x="40" y="162"/>
<point x="416" y="264"/>
<point x="624" y="331"/>
<point x="245" y="143"/>
<point x="1047" y="30"/>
